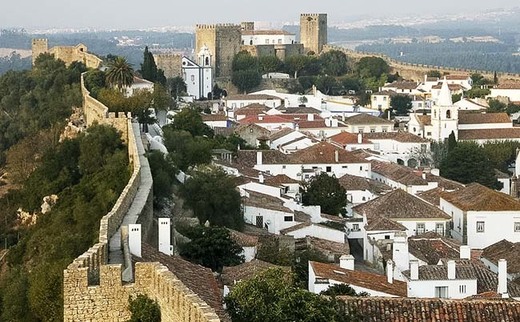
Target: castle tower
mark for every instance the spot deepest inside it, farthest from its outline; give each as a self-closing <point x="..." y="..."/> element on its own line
<point x="247" y="26"/>
<point x="313" y="32"/>
<point x="223" y="41"/>
<point x="39" y="46"/>
<point x="445" y="116"/>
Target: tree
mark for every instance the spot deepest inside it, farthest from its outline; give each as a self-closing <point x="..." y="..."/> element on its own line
<point x="163" y="174"/>
<point x="144" y="309"/>
<point x="212" y="197"/>
<point x="325" y="191"/>
<point x="501" y="153"/>
<point x="334" y="63"/>
<point x="270" y="296"/>
<point x="496" y="106"/>
<point x="186" y="151"/>
<point x="190" y="120"/>
<point x="296" y="63"/>
<point x="270" y="64"/>
<point x="120" y="73"/>
<point x="468" y="163"/>
<point x="342" y="290"/>
<point x="211" y="247"/>
<point x="326" y="84"/>
<point x="452" y="141"/>
<point x="434" y="73"/>
<point x="176" y="86"/>
<point x="243" y="60"/>
<point x="372" y="67"/>
<point x="149" y="69"/>
<point x="246" y="80"/>
<point x="401" y="104"/>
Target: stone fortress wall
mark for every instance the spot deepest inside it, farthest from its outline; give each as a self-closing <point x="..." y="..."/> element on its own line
<point x="68" y="54"/>
<point x="416" y="72"/>
<point x="170" y="63"/>
<point x="313" y="32"/>
<point x="93" y="290"/>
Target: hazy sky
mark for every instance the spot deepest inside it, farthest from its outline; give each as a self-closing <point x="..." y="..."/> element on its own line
<point x="32" y="14"/>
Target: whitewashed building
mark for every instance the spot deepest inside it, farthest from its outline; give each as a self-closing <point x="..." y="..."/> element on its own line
<point x="198" y="75"/>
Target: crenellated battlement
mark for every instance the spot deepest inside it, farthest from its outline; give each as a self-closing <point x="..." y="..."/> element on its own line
<point x="218" y="26"/>
<point x="314" y="15"/>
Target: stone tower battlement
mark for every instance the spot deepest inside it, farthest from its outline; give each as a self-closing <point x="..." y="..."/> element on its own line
<point x="170" y="63"/>
<point x="217" y="26"/>
<point x="313" y="32"/>
<point x="68" y="54"/>
<point x="223" y="41"/>
<point x="39" y="46"/>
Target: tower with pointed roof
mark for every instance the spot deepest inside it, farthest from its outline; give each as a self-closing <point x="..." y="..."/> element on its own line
<point x="445" y="116"/>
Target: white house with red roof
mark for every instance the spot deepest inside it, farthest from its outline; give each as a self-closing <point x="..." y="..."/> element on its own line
<point x="399" y="147"/>
<point x="351" y="141"/>
<point x="481" y="216"/>
<point x="269" y="122"/>
<point x="233" y="102"/>
<point x="509" y="90"/>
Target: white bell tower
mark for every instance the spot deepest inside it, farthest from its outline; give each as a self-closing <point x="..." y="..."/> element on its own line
<point x="206" y="74"/>
<point x="445" y="116"/>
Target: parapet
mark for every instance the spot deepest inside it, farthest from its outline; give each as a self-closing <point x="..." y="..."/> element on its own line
<point x="312" y="14"/>
<point x="218" y="26"/>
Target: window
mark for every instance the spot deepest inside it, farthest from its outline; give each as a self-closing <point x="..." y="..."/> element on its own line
<point x="429" y="133"/>
<point x="279" y="41"/>
<point x="420" y="229"/>
<point x="384" y="98"/>
<point x="192" y="78"/>
<point x="287" y="218"/>
<point x="360" y="130"/>
<point x="372" y="130"/>
<point x="462" y="289"/>
<point x="267" y="41"/>
<point x="480" y="226"/>
<point x="517" y="227"/>
<point x="329" y="169"/>
<point x="283" y="166"/>
<point x="441" y="292"/>
<point x="439" y="228"/>
<point x="355" y="227"/>
<point x="385" y="129"/>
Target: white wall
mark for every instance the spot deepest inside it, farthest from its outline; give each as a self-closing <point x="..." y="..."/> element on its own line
<point x="430" y="225"/>
<point x="457" y="217"/>
<point x="269" y="39"/>
<point x="286" y="138"/>
<point x="294" y="171"/>
<point x="513" y="94"/>
<point x="357" y="197"/>
<point x="236" y="104"/>
<point x="426" y="288"/>
<point x="498" y="225"/>
<point x="275" y="218"/>
<point x="261" y="188"/>
<point x="319" y="232"/>
<point x="249" y="253"/>
<point x="485" y="126"/>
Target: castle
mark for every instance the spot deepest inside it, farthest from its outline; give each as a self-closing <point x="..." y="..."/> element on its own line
<point x="224" y="41"/>
<point x="68" y="54"/>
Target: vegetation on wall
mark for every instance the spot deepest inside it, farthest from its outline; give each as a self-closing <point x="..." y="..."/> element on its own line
<point x="87" y="174"/>
<point x="144" y="309"/>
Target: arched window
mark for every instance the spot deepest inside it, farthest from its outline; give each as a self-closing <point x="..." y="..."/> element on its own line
<point x="448" y="114"/>
<point x="251" y="42"/>
<point x="207" y="61"/>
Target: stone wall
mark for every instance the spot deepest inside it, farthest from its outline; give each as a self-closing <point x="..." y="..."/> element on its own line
<point x="416" y="72"/>
<point x="68" y="54"/>
<point x="223" y="42"/>
<point x="93" y="290"/>
<point x="313" y="32"/>
<point x="170" y="63"/>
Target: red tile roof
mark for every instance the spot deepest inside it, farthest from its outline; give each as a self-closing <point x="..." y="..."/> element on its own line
<point x="363" y="279"/>
<point x="483" y="118"/>
<point x="398" y="173"/>
<point x="430" y="247"/>
<point x="213" y="117"/>
<point x="234" y="274"/>
<point x="280" y="134"/>
<point x="403" y="85"/>
<point x="387" y="309"/>
<point x="252" y="97"/>
<point x="363" y="118"/>
<point x="263" y="201"/>
<point x="403" y="137"/>
<point x="476" y="197"/>
<point x="345" y="138"/>
<point x="263" y="119"/>
<point x="489" y="134"/>
<point x="399" y="204"/>
<point x="266" y="32"/>
<point x="244" y="240"/>
<point x="424" y="119"/>
<point x="350" y="182"/>
<point x="507" y="250"/>
<point x="324" y="153"/>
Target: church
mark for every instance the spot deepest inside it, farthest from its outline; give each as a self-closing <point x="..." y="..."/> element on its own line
<point x="198" y="75"/>
<point x="477" y="126"/>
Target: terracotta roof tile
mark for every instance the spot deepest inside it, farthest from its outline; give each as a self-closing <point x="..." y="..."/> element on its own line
<point x="252" y="97"/>
<point x="350" y="182"/>
<point x="243" y="239"/>
<point x="251" y="109"/>
<point x="300" y="110"/>
<point x="430" y="247"/>
<point x="399" y="204"/>
<point x="280" y="133"/>
<point x="263" y="119"/>
<point x="364" y="118"/>
<point x="380" y="223"/>
<point x="489" y="134"/>
<point x="424" y="119"/>
<point x="326" y="246"/>
<point x="263" y="201"/>
<point x="403" y="85"/>
<point x="363" y="279"/>
<point x="345" y="138"/>
<point x="476" y="197"/>
<point x="483" y="118"/>
<point x="507" y="250"/>
<point x="247" y="158"/>
<point x="403" y="137"/>
<point x="279" y="180"/>
<point x="451" y="87"/>
<point x="324" y="153"/>
<point x="398" y="173"/>
<point x="213" y="117"/>
<point x="387" y="309"/>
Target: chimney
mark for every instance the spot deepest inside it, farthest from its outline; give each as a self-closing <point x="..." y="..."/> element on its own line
<point x="261" y="178"/>
<point x="310" y="117"/>
<point x="343" y="116"/>
<point x="336" y="156"/>
<point x="451" y="269"/>
<point x="414" y="270"/>
<point x="502" y="278"/>
<point x="346" y="262"/>
<point x="134" y="239"/>
<point x="259" y="157"/>
<point x="360" y="138"/>
<point x="390" y="271"/>
<point x="465" y="252"/>
<point x="423" y="175"/>
<point x="297" y="127"/>
<point x="400" y="252"/>
<point x="164" y="236"/>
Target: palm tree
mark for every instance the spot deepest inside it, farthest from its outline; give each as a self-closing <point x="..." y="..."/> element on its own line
<point x="120" y="73"/>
